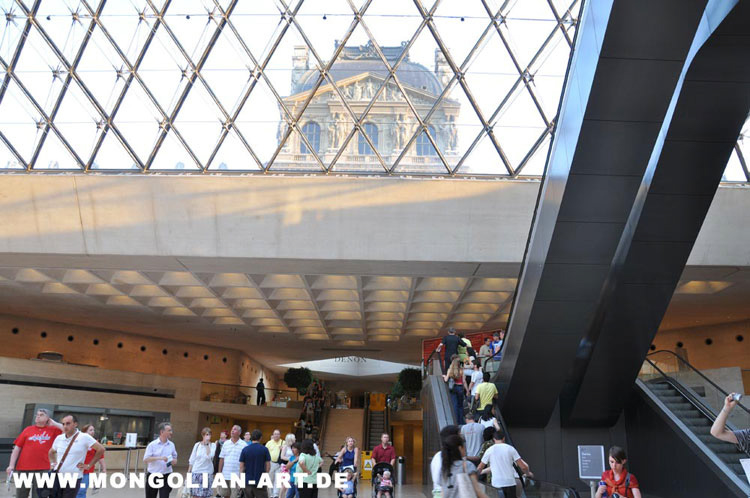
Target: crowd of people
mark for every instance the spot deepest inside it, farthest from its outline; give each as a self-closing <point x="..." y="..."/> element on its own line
<point x="466" y="373"/>
<point x="476" y="451"/>
<point x="313" y="404"/>
<point x="48" y="445"/>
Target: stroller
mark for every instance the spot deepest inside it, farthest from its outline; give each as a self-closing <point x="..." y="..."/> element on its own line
<point x="377" y="474"/>
<point x="335" y="468"/>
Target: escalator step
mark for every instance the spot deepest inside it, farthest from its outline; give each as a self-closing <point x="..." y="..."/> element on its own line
<point x="672" y="398"/>
<point x="723" y="450"/>
<point x="686" y="413"/>
<point x="697" y="422"/>
<point x="659" y="385"/>
<point x="736" y="467"/>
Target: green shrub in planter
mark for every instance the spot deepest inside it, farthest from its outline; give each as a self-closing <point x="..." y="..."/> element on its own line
<point x="298" y="378"/>
<point x="411" y="380"/>
<point x="397" y="390"/>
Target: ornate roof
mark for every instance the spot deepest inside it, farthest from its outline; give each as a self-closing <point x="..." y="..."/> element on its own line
<point x="364" y="59"/>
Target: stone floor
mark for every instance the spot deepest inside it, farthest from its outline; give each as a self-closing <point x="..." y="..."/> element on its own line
<point x="405" y="491"/>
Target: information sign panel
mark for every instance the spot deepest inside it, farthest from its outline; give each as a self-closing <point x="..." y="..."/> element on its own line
<point x="590" y="462"/>
<point x="131" y="439"/>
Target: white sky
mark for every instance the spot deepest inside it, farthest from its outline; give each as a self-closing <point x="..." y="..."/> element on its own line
<point x="489" y="75"/>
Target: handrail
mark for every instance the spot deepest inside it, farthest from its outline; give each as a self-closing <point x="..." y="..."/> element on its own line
<point x="273" y="389"/>
<point x="680" y="358"/>
<point x="533" y="482"/>
<point x="426" y="364"/>
<point x="707" y="411"/>
<point x="692" y="397"/>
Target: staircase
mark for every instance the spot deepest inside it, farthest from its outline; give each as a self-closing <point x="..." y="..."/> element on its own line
<point x="376" y="429"/>
<point x="340" y="425"/>
<point x="699" y="424"/>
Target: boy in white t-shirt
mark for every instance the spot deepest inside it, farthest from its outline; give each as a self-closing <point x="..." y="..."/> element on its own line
<point x="73" y="464"/>
<point x="500" y="457"/>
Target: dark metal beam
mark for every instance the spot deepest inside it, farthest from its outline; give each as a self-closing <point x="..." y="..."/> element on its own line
<point x="674" y="198"/>
<point x="618" y="92"/>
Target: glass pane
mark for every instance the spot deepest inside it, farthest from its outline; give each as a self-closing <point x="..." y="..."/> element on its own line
<point x="293" y="85"/>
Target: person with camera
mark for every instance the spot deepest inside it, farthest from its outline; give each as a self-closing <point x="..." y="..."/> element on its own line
<point x="160" y="456"/>
<point x="719" y="430"/>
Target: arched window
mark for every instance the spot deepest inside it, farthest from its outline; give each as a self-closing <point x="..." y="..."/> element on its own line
<point x="424" y="146"/>
<point x="311" y="131"/>
<point x="372" y="132"/>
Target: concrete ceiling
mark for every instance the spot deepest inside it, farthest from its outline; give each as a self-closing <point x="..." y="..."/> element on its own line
<point x="282" y="315"/>
<point x="288" y="311"/>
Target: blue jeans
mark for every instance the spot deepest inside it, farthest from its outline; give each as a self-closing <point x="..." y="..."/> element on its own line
<point x="457" y="396"/>
<point x="292" y="492"/>
<point x="84" y="486"/>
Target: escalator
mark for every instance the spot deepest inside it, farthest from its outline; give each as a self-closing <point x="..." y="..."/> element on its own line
<point x="438" y="413"/>
<point x="688" y="402"/>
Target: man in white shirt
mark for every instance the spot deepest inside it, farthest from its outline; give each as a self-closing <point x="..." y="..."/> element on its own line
<point x="500" y="457"/>
<point x="76" y="444"/>
<point x="160" y="456"/>
<point x="229" y="462"/>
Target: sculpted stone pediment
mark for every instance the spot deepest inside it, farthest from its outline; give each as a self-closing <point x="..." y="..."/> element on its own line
<point x="362" y="88"/>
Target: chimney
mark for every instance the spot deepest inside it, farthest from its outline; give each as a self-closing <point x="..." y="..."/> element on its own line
<point x="442" y="69"/>
<point x="300" y="64"/>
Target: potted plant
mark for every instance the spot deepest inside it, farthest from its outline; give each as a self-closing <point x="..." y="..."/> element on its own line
<point x="411" y="381"/>
<point x="298" y="378"/>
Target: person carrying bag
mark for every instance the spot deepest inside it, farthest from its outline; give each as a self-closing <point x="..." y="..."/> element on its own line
<point x="55" y="491"/>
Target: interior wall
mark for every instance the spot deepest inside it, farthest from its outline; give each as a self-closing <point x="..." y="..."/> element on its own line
<point x="710" y="346"/>
<point x="552" y="452"/>
<point x="27" y="337"/>
<point x="14" y="398"/>
<point x="218" y="423"/>
<point x="407" y="439"/>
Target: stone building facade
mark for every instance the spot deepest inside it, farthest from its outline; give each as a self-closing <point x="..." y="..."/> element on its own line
<point x="390" y="123"/>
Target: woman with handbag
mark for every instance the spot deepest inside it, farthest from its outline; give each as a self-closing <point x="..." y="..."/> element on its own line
<point x="455" y="379"/>
<point x="201" y="466"/>
<point x="458" y="476"/>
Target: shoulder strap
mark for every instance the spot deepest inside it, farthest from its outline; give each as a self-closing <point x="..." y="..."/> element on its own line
<point x="67" y="450"/>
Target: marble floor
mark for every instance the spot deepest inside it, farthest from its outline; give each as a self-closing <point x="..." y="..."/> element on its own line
<point x="405" y="491"/>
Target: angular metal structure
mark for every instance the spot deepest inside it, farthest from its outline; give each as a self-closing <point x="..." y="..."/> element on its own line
<point x="621" y="97"/>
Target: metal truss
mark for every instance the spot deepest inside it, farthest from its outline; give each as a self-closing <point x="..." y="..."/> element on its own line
<point x="154" y="19"/>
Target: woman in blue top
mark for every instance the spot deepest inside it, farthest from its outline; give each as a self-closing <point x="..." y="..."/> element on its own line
<point x="292" y="466"/>
<point x="348" y="456"/>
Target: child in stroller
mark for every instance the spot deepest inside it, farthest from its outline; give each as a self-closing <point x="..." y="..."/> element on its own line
<point x="351" y="478"/>
<point x="382" y="485"/>
<point x="348" y="490"/>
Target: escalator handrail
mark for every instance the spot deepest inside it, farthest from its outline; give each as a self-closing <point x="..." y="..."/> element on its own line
<point x="691" y="367"/>
<point x="529" y="481"/>
<point x="692" y="398"/>
<point x="426" y="364"/>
